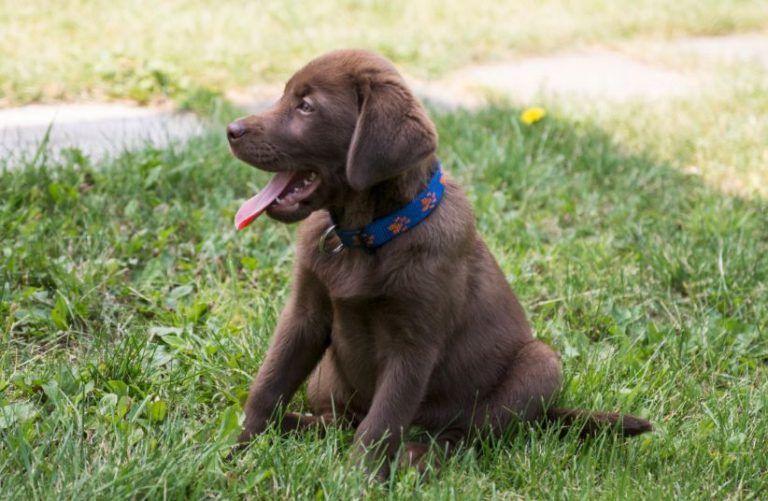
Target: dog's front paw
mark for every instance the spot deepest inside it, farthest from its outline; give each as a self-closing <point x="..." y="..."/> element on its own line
<point x="250" y="430"/>
<point x="235" y="450"/>
<point x="253" y="426"/>
<point x="244" y="438"/>
<point x="372" y="459"/>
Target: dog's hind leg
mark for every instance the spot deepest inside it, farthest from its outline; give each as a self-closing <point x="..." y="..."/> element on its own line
<point x="531" y="383"/>
<point x="416" y="454"/>
<point x="293" y="421"/>
<point x="330" y="398"/>
<point x="533" y="379"/>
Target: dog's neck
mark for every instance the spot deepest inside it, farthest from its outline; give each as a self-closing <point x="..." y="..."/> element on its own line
<point x="362" y="207"/>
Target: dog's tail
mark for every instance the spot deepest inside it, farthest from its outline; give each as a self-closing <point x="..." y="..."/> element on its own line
<point x="589" y="423"/>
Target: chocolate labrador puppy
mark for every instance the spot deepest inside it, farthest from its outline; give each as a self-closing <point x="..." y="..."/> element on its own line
<point x="398" y="315"/>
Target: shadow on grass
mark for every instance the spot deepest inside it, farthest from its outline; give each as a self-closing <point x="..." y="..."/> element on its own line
<point x="125" y="283"/>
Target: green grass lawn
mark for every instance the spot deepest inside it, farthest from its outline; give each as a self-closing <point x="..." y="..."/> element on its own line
<point x="147" y="50"/>
<point x="133" y="316"/>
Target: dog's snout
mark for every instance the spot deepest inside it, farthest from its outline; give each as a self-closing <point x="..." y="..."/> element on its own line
<point x="235" y="130"/>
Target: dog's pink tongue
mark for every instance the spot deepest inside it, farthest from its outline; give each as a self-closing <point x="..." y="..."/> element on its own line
<point x="254" y="206"/>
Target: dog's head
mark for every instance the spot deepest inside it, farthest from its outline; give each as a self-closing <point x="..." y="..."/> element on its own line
<point x="346" y="121"/>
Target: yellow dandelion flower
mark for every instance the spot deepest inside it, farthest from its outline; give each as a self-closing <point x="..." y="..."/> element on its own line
<point x="532" y="115"/>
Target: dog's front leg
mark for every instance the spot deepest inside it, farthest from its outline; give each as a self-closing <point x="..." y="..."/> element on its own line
<point x="400" y="389"/>
<point x="302" y="335"/>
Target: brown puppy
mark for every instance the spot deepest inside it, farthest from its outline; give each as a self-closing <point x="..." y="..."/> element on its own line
<point x="423" y="330"/>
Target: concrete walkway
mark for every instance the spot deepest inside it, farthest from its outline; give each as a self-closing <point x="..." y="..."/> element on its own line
<point x="104" y="129"/>
<point x="98" y="130"/>
<point x="595" y="74"/>
<point x="604" y="75"/>
<point x="735" y="48"/>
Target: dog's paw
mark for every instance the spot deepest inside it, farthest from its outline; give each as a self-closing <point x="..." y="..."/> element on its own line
<point x="371" y="459"/>
<point x="235" y="451"/>
<point x="414" y="456"/>
<point x="243" y="440"/>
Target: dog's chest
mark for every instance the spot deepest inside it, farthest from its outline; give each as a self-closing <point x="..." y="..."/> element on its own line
<point x="355" y="277"/>
<point x="365" y="334"/>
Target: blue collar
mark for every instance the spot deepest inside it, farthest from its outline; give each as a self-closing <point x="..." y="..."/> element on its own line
<point x="384" y="229"/>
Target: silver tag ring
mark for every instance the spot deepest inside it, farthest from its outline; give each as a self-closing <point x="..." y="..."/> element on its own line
<point x="324" y="237"/>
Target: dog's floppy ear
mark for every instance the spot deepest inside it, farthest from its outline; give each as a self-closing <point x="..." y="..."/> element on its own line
<point x="393" y="133"/>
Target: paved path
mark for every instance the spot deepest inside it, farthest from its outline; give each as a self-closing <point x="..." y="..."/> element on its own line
<point x="735" y="48"/>
<point x="594" y="74"/>
<point x="104" y="129"/>
<point x="97" y="130"/>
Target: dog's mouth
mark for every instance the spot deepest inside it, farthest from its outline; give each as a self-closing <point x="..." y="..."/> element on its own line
<point x="285" y="195"/>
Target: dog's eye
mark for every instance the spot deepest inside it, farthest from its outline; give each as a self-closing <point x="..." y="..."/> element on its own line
<point x="305" y="107"/>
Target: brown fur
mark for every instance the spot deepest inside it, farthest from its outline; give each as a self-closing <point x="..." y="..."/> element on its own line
<point x="423" y="331"/>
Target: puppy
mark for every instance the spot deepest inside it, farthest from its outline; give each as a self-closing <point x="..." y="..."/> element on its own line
<point x="398" y="314"/>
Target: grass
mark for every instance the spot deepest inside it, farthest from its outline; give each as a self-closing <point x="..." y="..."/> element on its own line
<point x="147" y="51"/>
<point x="133" y="316"/>
<point x="719" y="133"/>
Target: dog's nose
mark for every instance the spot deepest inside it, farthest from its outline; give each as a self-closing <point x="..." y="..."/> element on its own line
<point x="235" y="130"/>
